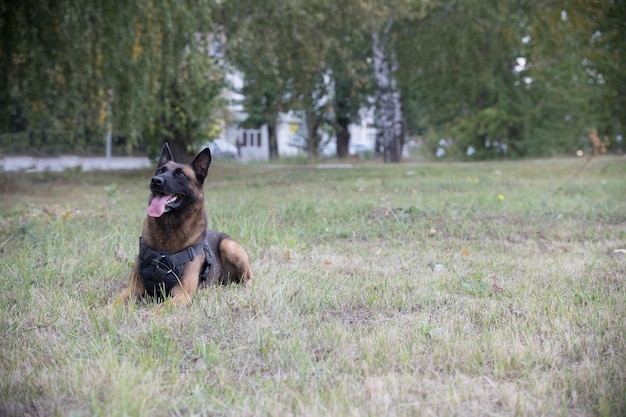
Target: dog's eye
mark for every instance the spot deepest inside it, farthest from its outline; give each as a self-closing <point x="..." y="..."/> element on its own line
<point x="180" y="174"/>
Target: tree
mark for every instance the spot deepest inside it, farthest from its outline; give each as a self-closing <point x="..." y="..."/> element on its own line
<point x="529" y="77"/>
<point x="386" y="19"/>
<point x="611" y="62"/>
<point x="304" y="50"/>
<point x="598" y="28"/>
<point x="459" y="77"/>
<point x="252" y="46"/>
<point x="65" y="60"/>
<point x="388" y="107"/>
<point x="348" y="56"/>
<point x="523" y="78"/>
<point x="307" y="56"/>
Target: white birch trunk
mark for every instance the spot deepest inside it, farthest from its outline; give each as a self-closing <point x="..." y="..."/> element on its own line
<point x="388" y="108"/>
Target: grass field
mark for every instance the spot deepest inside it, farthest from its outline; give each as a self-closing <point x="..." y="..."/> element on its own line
<point x="483" y="289"/>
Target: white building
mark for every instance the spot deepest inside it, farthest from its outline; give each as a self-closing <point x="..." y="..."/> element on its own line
<point x="253" y="144"/>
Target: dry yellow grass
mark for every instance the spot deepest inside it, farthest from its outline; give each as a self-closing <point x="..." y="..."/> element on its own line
<point x="444" y="289"/>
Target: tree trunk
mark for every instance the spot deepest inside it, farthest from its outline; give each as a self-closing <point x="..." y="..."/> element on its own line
<point x="313" y="139"/>
<point x="174" y="128"/>
<point x="388" y="106"/>
<point x="176" y="139"/>
<point x="273" y="141"/>
<point x="342" y="119"/>
<point x="343" y="137"/>
<point x="178" y="148"/>
<point x="171" y="134"/>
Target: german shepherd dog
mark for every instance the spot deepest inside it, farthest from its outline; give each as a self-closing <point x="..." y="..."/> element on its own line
<point x="177" y="253"/>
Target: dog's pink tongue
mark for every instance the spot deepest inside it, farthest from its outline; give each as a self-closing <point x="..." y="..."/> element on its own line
<point x="157" y="205"/>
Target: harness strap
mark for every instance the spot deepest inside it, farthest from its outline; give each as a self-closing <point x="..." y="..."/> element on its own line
<point x="179" y="258"/>
<point x="163" y="270"/>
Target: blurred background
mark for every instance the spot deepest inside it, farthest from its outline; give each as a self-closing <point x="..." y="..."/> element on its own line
<point x="263" y="80"/>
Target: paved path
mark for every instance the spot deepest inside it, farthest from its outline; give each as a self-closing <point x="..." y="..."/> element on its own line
<point x="58" y="164"/>
<point x="32" y="164"/>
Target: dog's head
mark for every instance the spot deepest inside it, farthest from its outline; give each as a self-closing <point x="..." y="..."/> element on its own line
<point x="176" y="186"/>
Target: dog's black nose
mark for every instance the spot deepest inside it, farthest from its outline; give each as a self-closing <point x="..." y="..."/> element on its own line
<point x="157" y="180"/>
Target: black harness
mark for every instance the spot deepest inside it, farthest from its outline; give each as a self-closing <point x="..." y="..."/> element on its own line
<point x="160" y="271"/>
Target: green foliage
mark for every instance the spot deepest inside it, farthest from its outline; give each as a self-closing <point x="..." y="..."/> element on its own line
<point x="460" y="71"/>
<point x="489" y="128"/>
<point x="532" y="75"/>
<point x="606" y="59"/>
<point x="76" y="67"/>
<point x="299" y="55"/>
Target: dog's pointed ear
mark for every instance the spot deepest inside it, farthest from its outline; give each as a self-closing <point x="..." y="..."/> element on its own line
<point x="166" y="156"/>
<point x="200" y="164"/>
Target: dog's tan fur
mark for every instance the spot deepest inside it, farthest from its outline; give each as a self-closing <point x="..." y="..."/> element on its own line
<point x="179" y="229"/>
